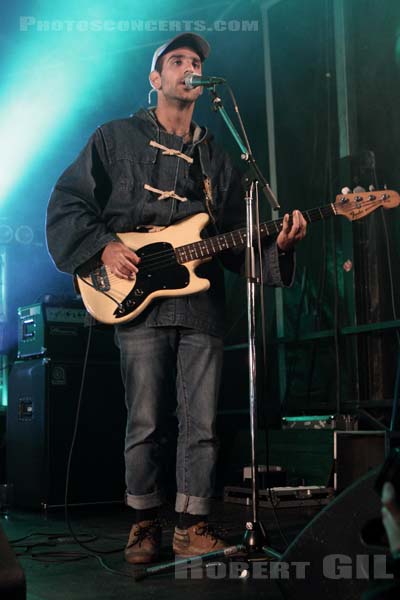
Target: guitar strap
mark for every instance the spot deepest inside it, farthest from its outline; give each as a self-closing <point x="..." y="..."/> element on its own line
<point x="205" y="164"/>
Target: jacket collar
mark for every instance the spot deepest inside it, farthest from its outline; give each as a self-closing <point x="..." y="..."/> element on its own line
<point x="199" y="135"/>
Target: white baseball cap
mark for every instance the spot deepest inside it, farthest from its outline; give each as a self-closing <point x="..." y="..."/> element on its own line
<point x="192" y="40"/>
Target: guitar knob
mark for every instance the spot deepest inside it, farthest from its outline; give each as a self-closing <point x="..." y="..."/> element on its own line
<point x="138" y="292"/>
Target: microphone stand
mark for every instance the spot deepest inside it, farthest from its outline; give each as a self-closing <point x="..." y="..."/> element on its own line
<point x="255" y="537"/>
<point x="246" y="153"/>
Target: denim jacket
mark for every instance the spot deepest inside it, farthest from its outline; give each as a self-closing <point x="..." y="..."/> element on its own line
<point x="103" y="193"/>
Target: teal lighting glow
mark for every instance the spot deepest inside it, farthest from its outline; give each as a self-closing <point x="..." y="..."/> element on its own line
<point x="53" y="68"/>
<point x="59" y="58"/>
<point x="3" y="320"/>
<point x="30" y="111"/>
<point x="3" y="381"/>
<point x="307" y="419"/>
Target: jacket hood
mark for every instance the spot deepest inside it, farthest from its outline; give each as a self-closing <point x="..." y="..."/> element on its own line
<point x="200" y="133"/>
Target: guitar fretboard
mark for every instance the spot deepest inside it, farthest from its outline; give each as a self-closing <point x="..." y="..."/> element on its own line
<point x="237" y="239"/>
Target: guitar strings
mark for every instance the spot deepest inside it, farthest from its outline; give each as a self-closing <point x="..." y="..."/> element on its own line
<point x="310" y="214"/>
<point x="101" y="291"/>
<point x="168" y="257"/>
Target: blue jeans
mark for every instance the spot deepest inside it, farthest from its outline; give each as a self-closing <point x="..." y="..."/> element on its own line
<point x="154" y="361"/>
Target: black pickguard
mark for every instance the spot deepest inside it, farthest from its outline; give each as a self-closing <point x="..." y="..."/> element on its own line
<point x="158" y="270"/>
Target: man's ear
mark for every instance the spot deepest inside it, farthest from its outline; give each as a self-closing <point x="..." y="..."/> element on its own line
<point x="155" y="79"/>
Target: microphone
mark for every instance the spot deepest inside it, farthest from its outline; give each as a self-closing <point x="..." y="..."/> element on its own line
<point x="192" y="80"/>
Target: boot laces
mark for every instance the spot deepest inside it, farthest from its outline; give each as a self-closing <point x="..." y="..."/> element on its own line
<point x="215" y="532"/>
<point x="143" y="532"/>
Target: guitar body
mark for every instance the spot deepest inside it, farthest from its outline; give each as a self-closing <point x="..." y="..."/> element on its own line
<point x="112" y="300"/>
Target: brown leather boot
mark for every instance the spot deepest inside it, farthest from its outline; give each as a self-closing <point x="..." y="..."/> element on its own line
<point x="198" y="539"/>
<point x="144" y="543"/>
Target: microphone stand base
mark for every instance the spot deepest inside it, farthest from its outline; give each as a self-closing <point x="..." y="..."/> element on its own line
<point x="255" y="537"/>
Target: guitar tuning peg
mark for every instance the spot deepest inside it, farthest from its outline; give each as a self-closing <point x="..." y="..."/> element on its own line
<point x="371" y="188"/>
<point x="345" y="190"/>
<point x="358" y="189"/>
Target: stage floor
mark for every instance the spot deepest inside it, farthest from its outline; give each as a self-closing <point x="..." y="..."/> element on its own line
<point x="57" y="569"/>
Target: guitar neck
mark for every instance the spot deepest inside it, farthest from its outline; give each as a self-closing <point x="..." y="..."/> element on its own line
<point x="237" y="239"/>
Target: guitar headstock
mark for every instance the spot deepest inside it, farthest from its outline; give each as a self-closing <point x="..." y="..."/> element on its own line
<point x="358" y="205"/>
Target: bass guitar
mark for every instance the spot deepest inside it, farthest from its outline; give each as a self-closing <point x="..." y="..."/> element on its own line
<point x="169" y="257"/>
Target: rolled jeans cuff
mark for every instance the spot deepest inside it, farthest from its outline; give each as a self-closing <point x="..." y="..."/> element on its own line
<point x="145" y="501"/>
<point x="193" y="505"/>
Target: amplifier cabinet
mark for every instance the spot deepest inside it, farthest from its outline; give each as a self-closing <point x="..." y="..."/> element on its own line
<point x="61" y="332"/>
<point x="43" y="399"/>
<point x="356" y="453"/>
